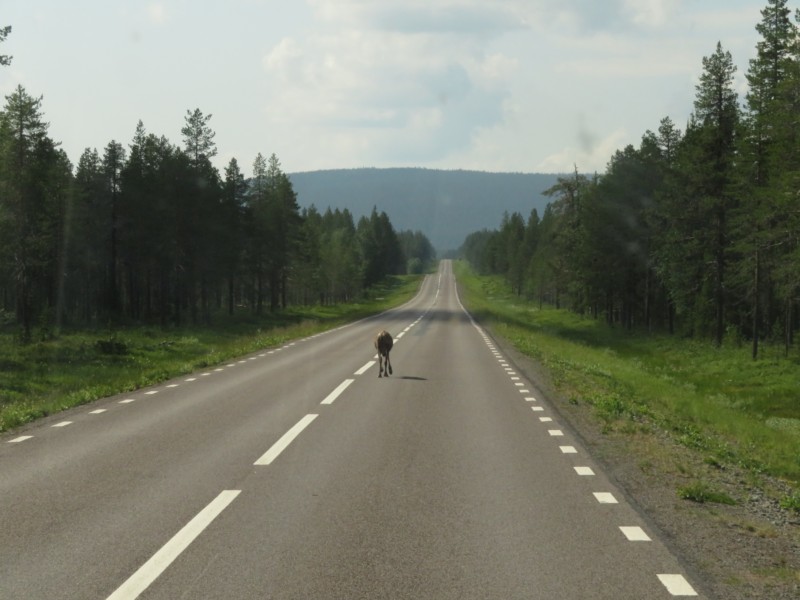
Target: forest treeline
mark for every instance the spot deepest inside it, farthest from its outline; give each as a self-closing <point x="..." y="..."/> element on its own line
<point x="694" y="231"/>
<point x="153" y="233"/>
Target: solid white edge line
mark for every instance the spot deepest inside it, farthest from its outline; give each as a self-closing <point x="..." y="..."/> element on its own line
<point x="364" y="369"/>
<point x="158" y="563"/>
<point x="335" y="393"/>
<point x="285" y="440"/>
<point x="676" y="584"/>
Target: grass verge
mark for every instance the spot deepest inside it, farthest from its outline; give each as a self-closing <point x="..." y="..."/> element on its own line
<point x="717" y="402"/>
<point x="77" y="367"/>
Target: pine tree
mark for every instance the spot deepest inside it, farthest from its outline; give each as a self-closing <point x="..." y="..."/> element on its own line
<point x="712" y="147"/>
<point x="198" y="137"/>
<point x="5" y="59"/>
<point x="26" y="214"/>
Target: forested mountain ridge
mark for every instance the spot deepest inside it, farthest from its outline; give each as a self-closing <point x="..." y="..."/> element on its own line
<point x="445" y="205"/>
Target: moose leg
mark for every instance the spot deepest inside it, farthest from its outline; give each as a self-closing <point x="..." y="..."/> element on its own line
<point x="388" y="365"/>
<point x="380" y="365"/>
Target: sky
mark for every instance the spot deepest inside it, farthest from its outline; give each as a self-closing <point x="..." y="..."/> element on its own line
<point x="502" y="85"/>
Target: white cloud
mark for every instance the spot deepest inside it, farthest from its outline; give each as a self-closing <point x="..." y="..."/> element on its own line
<point x="157" y="13"/>
<point x="590" y="154"/>
<point x="399" y="78"/>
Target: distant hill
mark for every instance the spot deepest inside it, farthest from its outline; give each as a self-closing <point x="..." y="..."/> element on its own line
<point x="444" y="205"/>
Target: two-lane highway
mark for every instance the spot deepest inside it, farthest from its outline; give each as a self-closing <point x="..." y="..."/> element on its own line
<point x="297" y="473"/>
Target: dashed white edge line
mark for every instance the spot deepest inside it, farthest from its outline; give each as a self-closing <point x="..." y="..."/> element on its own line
<point x="605" y="498"/>
<point x="635" y="534"/>
<point x="62" y="424"/>
<point x="676" y="584"/>
<point x="19" y="439"/>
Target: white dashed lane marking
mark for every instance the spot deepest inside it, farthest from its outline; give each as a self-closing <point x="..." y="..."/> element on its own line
<point x="635" y="534"/>
<point x="676" y="584"/>
<point x="158" y="563"/>
<point x="285" y="440"/>
<point x="364" y="369"/>
<point x="605" y="498"/>
<point x="19" y="439"/>
<point x="335" y="393"/>
<point x="62" y="424"/>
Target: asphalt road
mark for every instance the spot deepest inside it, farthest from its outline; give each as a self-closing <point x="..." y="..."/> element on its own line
<point x="297" y="473"/>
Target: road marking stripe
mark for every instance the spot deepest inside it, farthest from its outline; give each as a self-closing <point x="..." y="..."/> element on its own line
<point x="127" y="401"/>
<point x="530" y="399"/>
<point x="285" y="440"/>
<point x="62" y="424"/>
<point x="635" y="534"/>
<point x="98" y="411"/>
<point x="584" y="471"/>
<point x="605" y="498"/>
<point x="151" y="393"/>
<point x="555" y="432"/>
<point x="158" y="563"/>
<point x="335" y="393"/>
<point x="545" y="419"/>
<point x="537" y="408"/>
<point x="677" y="585"/>
<point x="191" y="379"/>
<point x="363" y="369"/>
<point x="172" y="385"/>
<point x="19" y="439"/>
<point x="568" y="449"/>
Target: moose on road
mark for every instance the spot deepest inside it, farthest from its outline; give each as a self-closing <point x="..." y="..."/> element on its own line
<point x="383" y="344"/>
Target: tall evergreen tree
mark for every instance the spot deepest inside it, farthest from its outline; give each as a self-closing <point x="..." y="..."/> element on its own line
<point x="711" y="152"/>
<point x="26" y="215"/>
<point x="198" y="137"/>
<point x="5" y="59"/>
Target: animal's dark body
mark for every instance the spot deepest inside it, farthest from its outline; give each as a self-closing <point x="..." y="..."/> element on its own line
<point x="383" y="344"/>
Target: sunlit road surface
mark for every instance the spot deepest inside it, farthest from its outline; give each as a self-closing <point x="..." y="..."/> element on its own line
<point x="297" y="473"/>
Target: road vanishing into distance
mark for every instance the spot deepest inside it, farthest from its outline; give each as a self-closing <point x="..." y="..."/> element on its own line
<point x="297" y="473"/>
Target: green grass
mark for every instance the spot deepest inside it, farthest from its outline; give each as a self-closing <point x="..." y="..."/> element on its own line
<point x="702" y="492"/>
<point x="718" y="402"/>
<point x="73" y="368"/>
